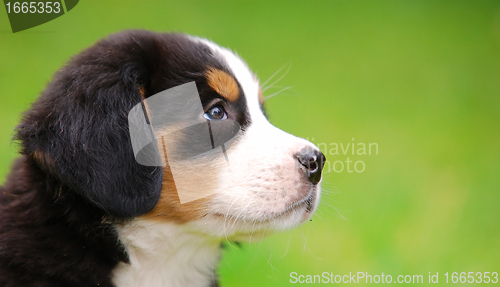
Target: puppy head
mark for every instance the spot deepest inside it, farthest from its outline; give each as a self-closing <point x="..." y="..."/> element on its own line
<point x="78" y="131"/>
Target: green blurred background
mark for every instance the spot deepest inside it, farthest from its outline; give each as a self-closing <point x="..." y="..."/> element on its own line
<point x="419" y="78"/>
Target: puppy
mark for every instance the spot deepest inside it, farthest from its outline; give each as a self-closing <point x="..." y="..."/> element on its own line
<point x="80" y="209"/>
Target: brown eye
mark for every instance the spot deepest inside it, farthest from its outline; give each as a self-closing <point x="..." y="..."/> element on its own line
<point x="216" y="113"/>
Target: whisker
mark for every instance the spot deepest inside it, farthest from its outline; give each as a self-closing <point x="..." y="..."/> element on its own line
<point x="272" y="76"/>
<point x="279" y="79"/>
<point x="287" y="246"/>
<point x="278" y="92"/>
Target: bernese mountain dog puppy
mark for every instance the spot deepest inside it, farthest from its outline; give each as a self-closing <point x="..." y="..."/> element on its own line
<point x="80" y="209"/>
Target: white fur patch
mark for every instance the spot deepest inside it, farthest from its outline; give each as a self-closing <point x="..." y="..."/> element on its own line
<point x="165" y="255"/>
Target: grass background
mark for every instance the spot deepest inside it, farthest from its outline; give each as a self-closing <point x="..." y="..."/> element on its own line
<point x="419" y="78"/>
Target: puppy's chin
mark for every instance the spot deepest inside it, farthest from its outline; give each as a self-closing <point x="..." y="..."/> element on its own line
<point x="255" y="228"/>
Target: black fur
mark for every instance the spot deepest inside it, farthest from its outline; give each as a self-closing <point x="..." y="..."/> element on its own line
<point x="77" y="175"/>
<point x="50" y="236"/>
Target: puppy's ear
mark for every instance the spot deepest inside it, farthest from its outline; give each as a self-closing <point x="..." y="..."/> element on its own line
<point x="78" y="132"/>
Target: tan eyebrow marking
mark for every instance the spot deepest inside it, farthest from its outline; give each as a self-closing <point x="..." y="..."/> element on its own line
<point x="223" y="83"/>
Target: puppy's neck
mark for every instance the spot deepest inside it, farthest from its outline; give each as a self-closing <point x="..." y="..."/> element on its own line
<point x="166" y="254"/>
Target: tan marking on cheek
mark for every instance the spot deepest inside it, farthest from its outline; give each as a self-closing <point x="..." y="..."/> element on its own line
<point x="223" y="83"/>
<point x="169" y="208"/>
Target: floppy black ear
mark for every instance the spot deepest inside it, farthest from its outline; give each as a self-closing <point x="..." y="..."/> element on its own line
<point x="77" y="131"/>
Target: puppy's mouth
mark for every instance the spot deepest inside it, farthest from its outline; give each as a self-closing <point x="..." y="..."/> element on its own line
<point x="307" y="203"/>
<point x="302" y="208"/>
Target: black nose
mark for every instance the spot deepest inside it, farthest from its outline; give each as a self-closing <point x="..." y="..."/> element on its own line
<point x="313" y="160"/>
